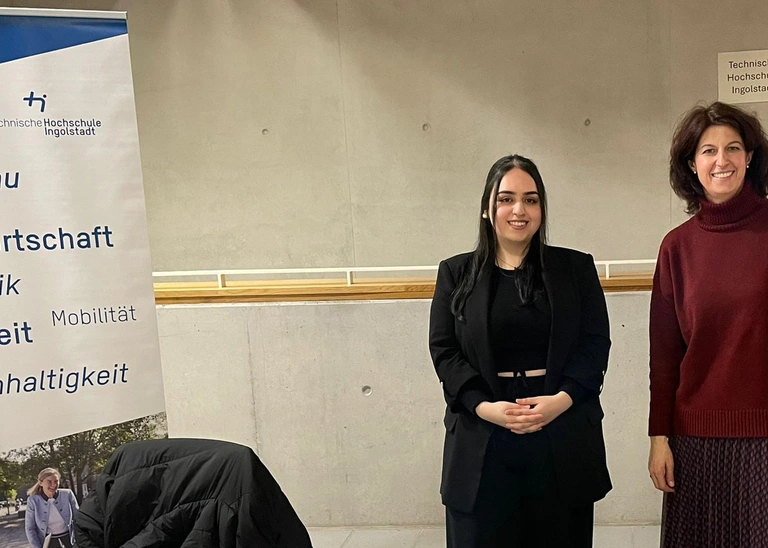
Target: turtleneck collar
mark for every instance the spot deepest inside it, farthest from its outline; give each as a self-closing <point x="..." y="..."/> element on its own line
<point x="732" y="214"/>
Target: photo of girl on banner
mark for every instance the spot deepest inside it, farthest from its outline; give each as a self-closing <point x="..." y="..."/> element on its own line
<point x="43" y="485"/>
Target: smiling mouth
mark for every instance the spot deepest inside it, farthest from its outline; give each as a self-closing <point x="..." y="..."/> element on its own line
<point x="723" y="174"/>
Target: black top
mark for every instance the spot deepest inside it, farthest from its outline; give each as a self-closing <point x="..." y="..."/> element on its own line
<point x="519" y="336"/>
<point x="519" y="332"/>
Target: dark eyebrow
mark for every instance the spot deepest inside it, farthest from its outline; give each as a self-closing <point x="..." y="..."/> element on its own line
<point x="713" y="146"/>
<point x="530" y="193"/>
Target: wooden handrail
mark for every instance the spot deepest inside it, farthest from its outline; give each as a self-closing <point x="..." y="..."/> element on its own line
<point x="167" y="293"/>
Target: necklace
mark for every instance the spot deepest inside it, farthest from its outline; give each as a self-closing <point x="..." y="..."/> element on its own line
<point x="500" y="260"/>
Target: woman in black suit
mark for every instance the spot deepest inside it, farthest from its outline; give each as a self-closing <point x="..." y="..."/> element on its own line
<point x="519" y="337"/>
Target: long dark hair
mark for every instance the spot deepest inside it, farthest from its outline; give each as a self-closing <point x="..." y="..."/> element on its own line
<point x="529" y="280"/>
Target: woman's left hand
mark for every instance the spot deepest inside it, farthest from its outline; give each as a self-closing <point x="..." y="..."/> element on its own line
<point x="549" y="407"/>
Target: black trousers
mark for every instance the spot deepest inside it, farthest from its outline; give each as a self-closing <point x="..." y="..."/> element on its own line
<point x="517" y="502"/>
<point x="61" y="542"/>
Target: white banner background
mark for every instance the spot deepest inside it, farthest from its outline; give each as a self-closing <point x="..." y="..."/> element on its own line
<point x="75" y="183"/>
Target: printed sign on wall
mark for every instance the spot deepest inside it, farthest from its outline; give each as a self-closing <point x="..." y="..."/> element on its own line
<point x="742" y="76"/>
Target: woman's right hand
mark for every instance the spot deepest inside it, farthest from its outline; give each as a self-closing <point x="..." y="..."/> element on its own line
<point x="495" y="412"/>
<point x="661" y="464"/>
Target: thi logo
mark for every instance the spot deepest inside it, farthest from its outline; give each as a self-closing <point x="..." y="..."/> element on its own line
<point x="31" y="99"/>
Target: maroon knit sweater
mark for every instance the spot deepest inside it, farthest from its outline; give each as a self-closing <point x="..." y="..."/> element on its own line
<point x="709" y="323"/>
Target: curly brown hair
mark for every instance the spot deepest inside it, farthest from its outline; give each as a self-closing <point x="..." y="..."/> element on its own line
<point x="686" y="137"/>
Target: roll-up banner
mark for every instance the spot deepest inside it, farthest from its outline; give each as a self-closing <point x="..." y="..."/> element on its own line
<point x="78" y="330"/>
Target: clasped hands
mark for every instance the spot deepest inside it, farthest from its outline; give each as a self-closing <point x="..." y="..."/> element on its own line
<point x="525" y="415"/>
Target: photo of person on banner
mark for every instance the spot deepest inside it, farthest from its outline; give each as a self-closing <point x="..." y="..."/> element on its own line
<point x="50" y="511"/>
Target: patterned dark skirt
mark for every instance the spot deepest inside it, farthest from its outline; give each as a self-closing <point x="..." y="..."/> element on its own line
<point x="721" y="494"/>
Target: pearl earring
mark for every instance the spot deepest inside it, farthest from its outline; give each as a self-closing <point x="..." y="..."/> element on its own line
<point x="485" y="215"/>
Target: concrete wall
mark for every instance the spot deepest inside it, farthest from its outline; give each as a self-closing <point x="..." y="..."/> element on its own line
<point x="280" y="133"/>
<point x="288" y="380"/>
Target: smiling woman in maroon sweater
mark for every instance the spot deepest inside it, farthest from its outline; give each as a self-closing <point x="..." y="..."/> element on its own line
<point x="709" y="338"/>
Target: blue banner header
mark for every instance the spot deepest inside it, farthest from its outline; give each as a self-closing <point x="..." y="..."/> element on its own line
<point x="25" y="36"/>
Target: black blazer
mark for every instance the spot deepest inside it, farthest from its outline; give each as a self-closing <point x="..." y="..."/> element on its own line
<point x="578" y="348"/>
